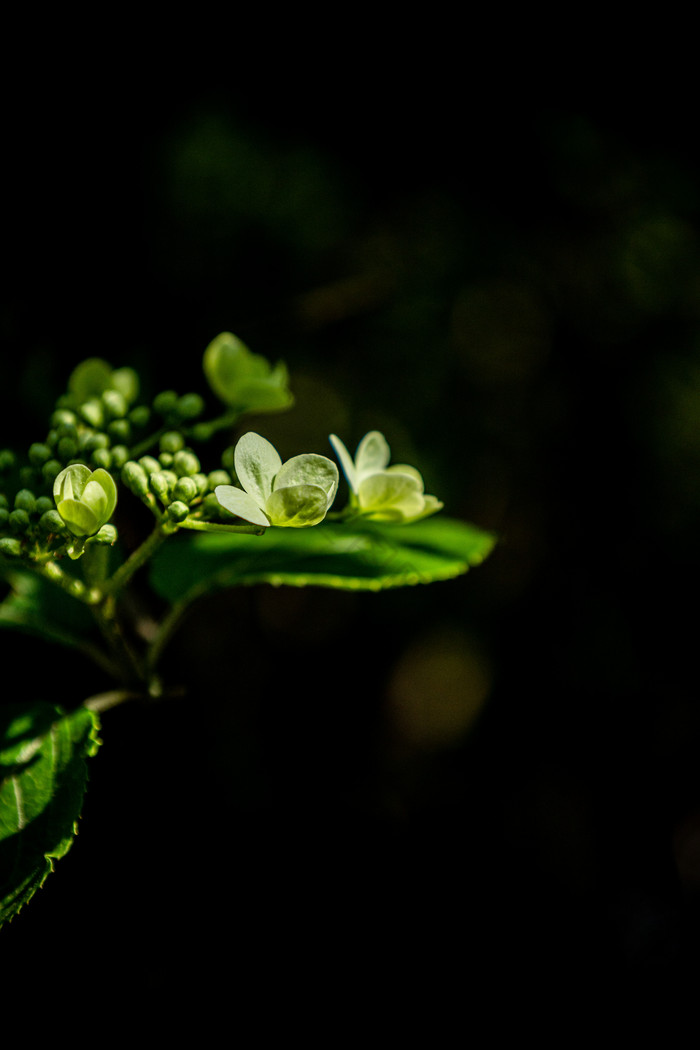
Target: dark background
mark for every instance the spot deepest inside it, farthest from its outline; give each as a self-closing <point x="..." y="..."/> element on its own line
<point x="499" y="772"/>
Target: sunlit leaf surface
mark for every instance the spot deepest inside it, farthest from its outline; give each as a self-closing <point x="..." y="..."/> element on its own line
<point x="43" y="774"/>
<point x="361" y="556"/>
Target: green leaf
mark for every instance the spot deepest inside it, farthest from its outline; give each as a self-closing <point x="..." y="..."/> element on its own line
<point x="43" y="774"/>
<point x="351" y="556"/>
<point x="35" y="606"/>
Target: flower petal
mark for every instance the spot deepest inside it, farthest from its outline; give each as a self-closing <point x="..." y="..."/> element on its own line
<point x="309" y="469"/>
<point x="403" y="468"/>
<point x="432" y="506"/>
<point x="80" y="519"/>
<point x="389" y="496"/>
<point x="372" y="454"/>
<point x="345" y="461"/>
<point x="256" y="462"/>
<point x="69" y="484"/>
<point x="297" y="505"/>
<point x="101" y="491"/>
<point x="240" y="503"/>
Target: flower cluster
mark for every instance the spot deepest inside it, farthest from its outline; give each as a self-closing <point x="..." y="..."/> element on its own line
<point x="63" y="497"/>
<point x="300" y="492"/>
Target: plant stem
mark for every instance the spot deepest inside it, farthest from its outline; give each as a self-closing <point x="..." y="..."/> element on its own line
<point x="130" y="662"/>
<point x="70" y="584"/>
<point x="138" y="558"/>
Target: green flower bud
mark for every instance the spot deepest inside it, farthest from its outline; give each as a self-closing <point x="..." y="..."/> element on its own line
<point x="19" y="520"/>
<point x="161" y="482"/>
<point x="106" y="536"/>
<point x="126" y="382"/>
<point x="243" y="380"/>
<point x="201" y="481"/>
<point x="10" y="547"/>
<point x="7" y="460"/>
<point x="149" y="464"/>
<point x="50" y="469"/>
<point x="102" y="457"/>
<point x="90" y="442"/>
<point x="120" y="454"/>
<point x="115" y="404"/>
<point x="185" y="490"/>
<point x="139" y="416"/>
<point x="89" y="380"/>
<point x="92" y="412"/>
<point x="43" y="504"/>
<point x="178" y="511"/>
<point x="119" y="430"/>
<point x="218" y="477"/>
<point x="166" y="460"/>
<point x="189" y="406"/>
<point x="51" y="521"/>
<point x="185" y="462"/>
<point x="85" y="499"/>
<point x="67" y="429"/>
<point x="172" y="441"/>
<point x="39" y="453"/>
<point x="25" y="500"/>
<point x="201" y="432"/>
<point x="135" y="478"/>
<point x="63" y="417"/>
<point x="67" y="448"/>
<point x="165" y="402"/>
<point x="4" y="517"/>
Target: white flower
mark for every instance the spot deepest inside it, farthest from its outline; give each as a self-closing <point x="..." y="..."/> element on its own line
<point x="381" y="492"/>
<point x="297" y="493"/>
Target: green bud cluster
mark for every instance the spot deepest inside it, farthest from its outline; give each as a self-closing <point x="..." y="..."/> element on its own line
<point x="59" y="495"/>
<point x="177" y="409"/>
<point x="30" y="525"/>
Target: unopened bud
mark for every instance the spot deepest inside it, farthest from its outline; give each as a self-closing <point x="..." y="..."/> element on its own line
<point x="161" y="483"/>
<point x="25" y="500"/>
<point x="19" y="520"/>
<point x="119" y="430"/>
<point x="135" y="478"/>
<point x="185" y="462"/>
<point x="51" y="468"/>
<point x="218" y="477"/>
<point x="172" y="441"/>
<point x="178" y="511"/>
<point x="106" y="536"/>
<point x="139" y="416"/>
<point x="120" y="454"/>
<point x="92" y="412"/>
<point x="164" y="402"/>
<point x="189" y="406"/>
<point x="10" y="547"/>
<point x="149" y="464"/>
<point x="185" y="490"/>
<point x="51" y="521"/>
<point x="115" y="404"/>
<point x="102" y="457"/>
<point x="7" y="460"/>
<point x="39" y="453"/>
